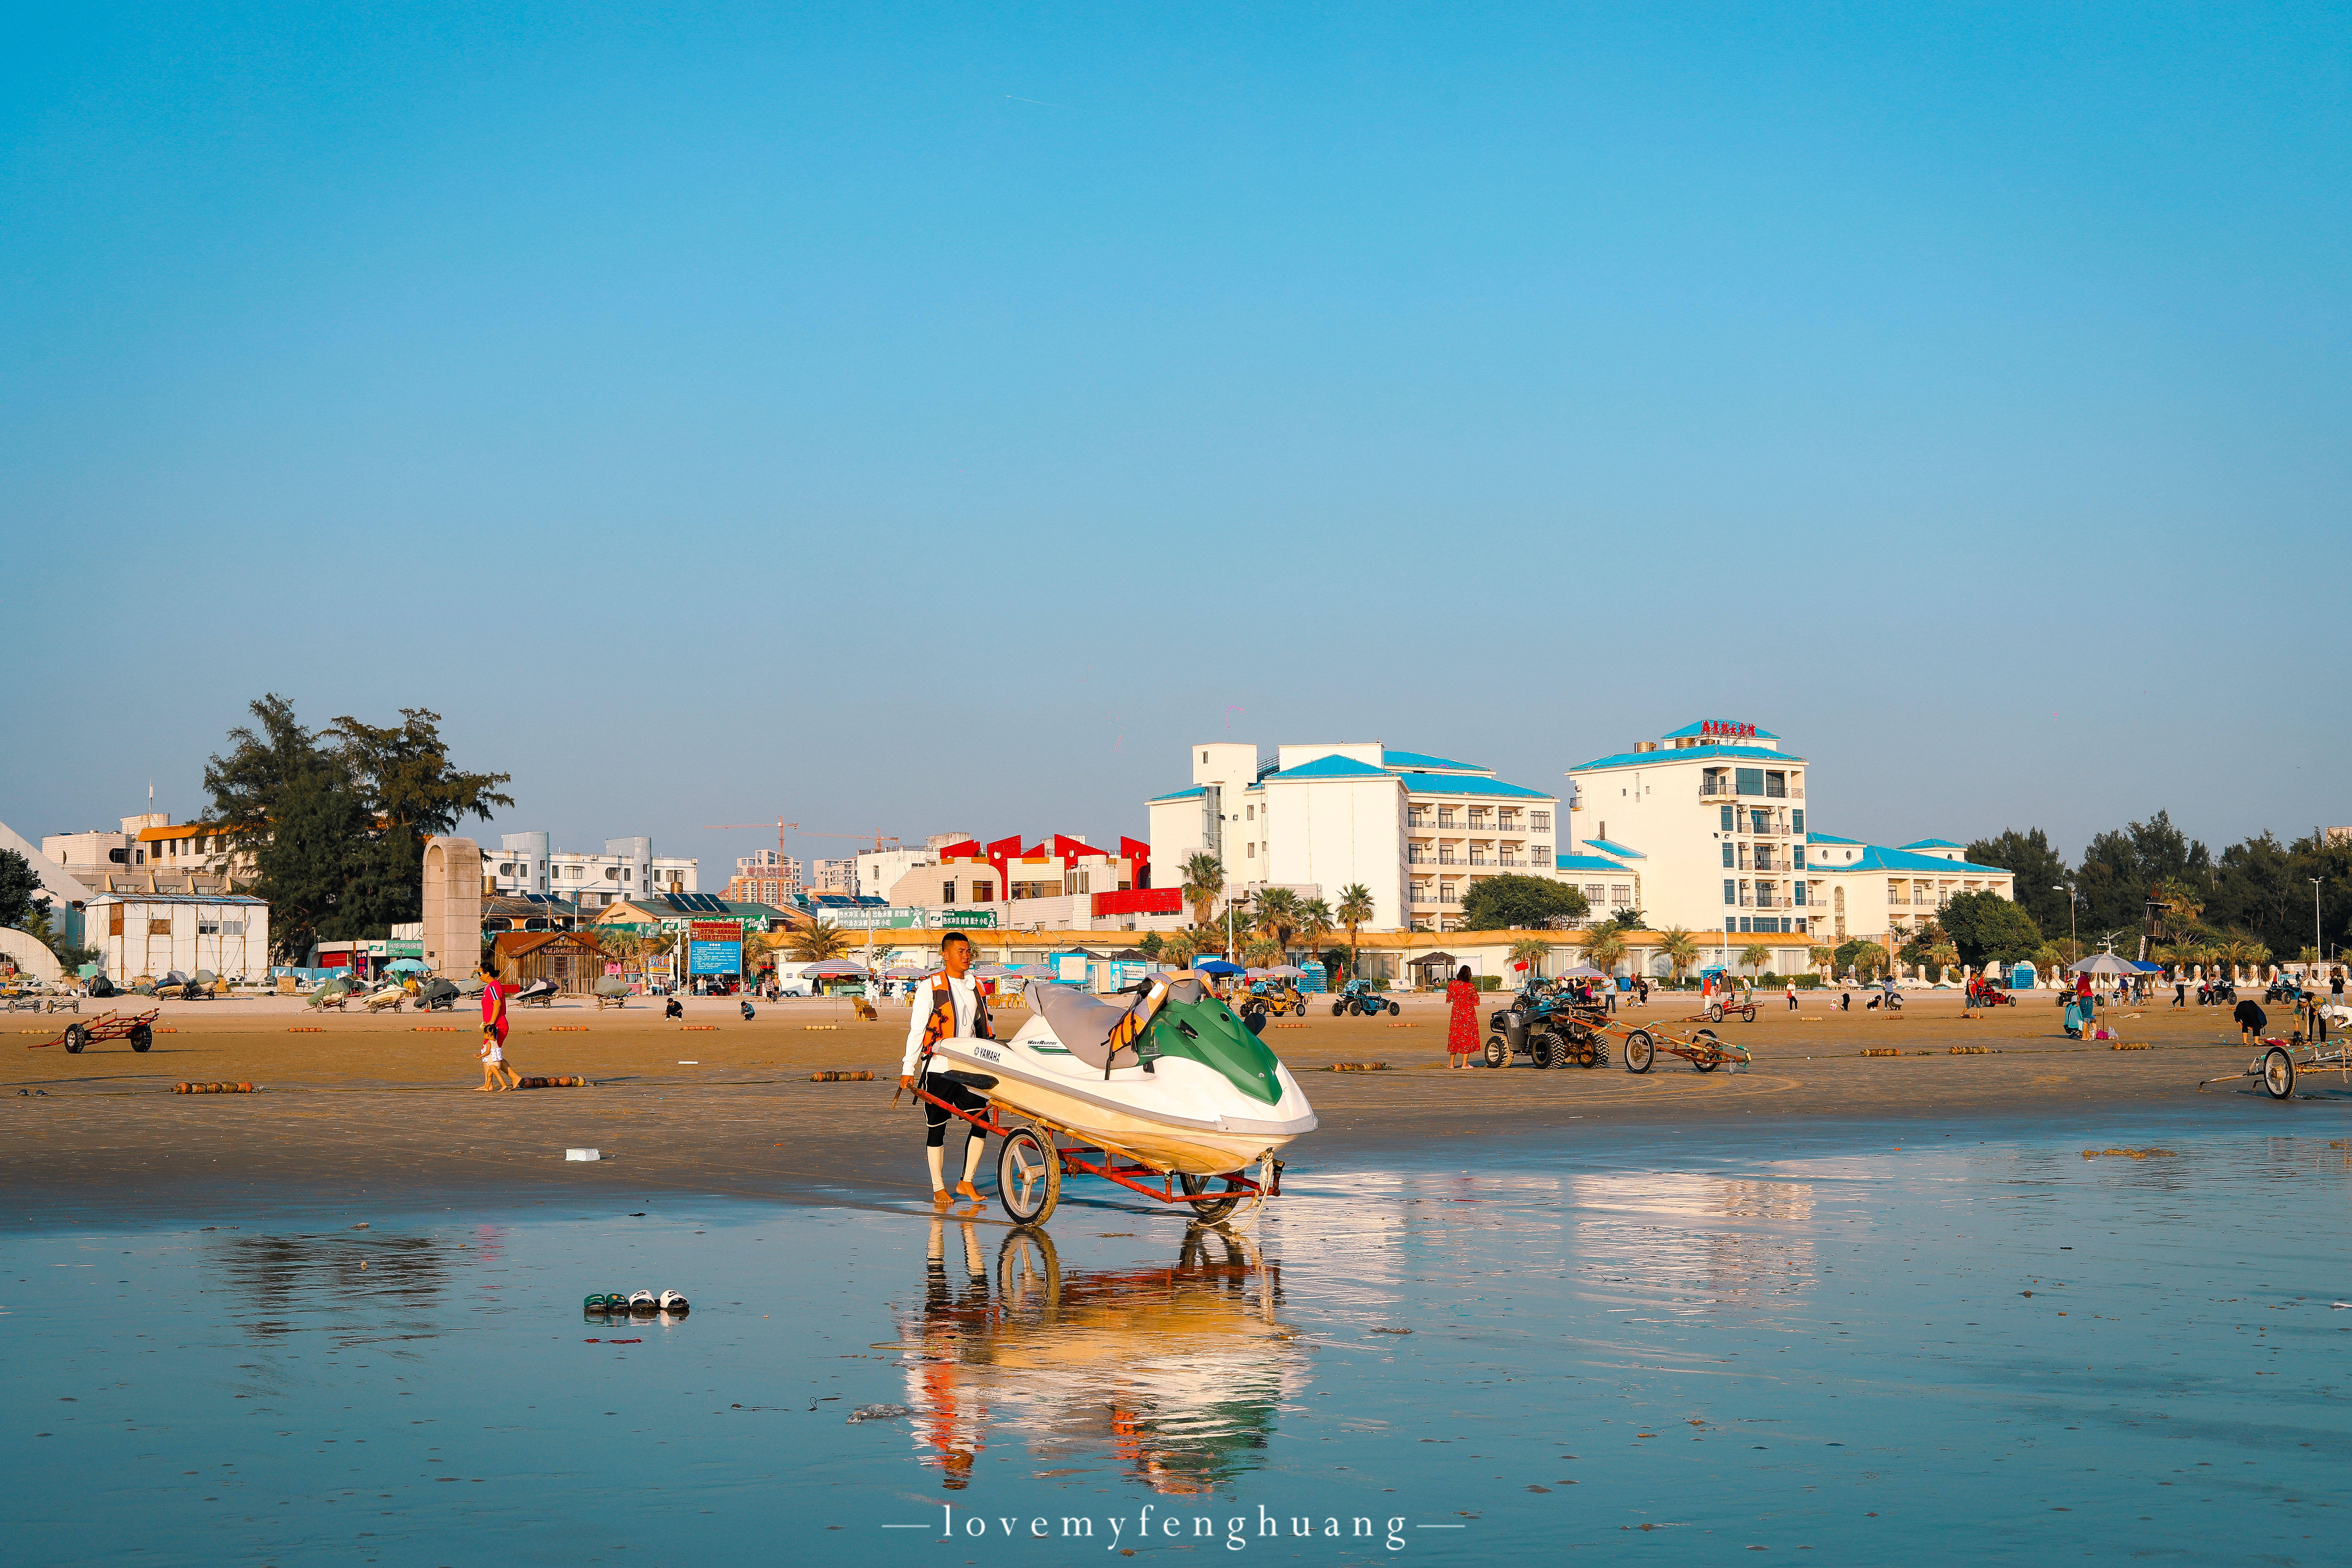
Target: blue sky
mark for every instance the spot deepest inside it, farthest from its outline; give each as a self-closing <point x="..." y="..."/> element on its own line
<point x="934" y="417"/>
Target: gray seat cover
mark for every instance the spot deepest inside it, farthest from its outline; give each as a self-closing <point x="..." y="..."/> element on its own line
<point x="1083" y="1022"/>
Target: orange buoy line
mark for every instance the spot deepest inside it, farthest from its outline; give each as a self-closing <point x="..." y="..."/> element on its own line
<point x="567" y="1029"/>
<point x="837" y="1077"/>
<point x="574" y="1082"/>
<point x="212" y="1089"/>
<point x="306" y="1029"/>
<point x="690" y="1028"/>
<point x="434" y="1029"/>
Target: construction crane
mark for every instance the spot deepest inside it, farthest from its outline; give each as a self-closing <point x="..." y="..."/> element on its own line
<point x="880" y="838"/>
<point x="726" y="826"/>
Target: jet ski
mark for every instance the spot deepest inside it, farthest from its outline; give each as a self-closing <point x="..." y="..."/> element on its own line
<point x="1176" y="1080"/>
<point x="539" y="993"/>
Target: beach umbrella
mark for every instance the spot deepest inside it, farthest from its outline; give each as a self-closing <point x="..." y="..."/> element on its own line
<point x="1217" y="966"/>
<point x="1032" y="971"/>
<point x="1286" y="972"/>
<point x="2106" y="963"/>
<point x="1582" y="972"/>
<point x="408" y="966"/>
<point x="904" y="971"/>
<point x="836" y="966"/>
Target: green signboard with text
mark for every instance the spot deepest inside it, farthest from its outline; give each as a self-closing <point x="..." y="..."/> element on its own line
<point x="967" y="920"/>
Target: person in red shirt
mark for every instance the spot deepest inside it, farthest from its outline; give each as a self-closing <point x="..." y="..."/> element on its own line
<point x="496" y="1069"/>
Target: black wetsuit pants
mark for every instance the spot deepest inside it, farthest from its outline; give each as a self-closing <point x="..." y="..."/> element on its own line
<point x="935" y="1132"/>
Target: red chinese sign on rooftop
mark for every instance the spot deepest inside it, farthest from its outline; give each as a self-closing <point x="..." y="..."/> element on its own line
<point x="1724" y="730"/>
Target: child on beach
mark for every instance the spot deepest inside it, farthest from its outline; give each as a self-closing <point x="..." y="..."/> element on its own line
<point x="496" y="1069"/>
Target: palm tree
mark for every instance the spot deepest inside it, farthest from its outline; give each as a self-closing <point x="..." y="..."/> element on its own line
<point x="1944" y="956"/>
<point x="1203" y="879"/>
<point x="1679" y="948"/>
<point x="816" y="942"/>
<point x="1354" y="912"/>
<point x="1606" y="950"/>
<point x="1277" y="915"/>
<point x="1313" y="924"/>
<point x="1264" y="952"/>
<point x="1756" y="956"/>
<point x="1178" y="946"/>
<point x="1822" y="958"/>
<point x="1531" y="950"/>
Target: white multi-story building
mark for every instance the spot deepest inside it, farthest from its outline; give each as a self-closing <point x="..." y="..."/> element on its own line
<point x="1417" y="831"/>
<point x="523" y="863"/>
<point x="1710" y="824"/>
<point x="835" y="876"/>
<point x="768" y="877"/>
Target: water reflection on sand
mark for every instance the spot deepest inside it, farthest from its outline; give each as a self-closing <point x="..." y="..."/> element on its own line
<point x="1174" y="1373"/>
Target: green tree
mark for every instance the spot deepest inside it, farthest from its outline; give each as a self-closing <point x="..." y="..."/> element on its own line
<point x="318" y="831"/>
<point x="20" y="891"/>
<point x="2120" y="868"/>
<point x="1151" y="945"/>
<point x="1679" y="948"/>
<point x="1755" y="956"/>
<point x="1203" y="880"/>
<point x="1517" y="903"/>
<point x="1862" y="958"/>
<point x="817" y="941"/>
<point x="1531" y="950"/>
<point x="1335" y="960"/>
<point x="1355" y="911"/>
<point x="1314" y="922"/>
<point x="1986" y="928"/>
<point x="2038" y="868"/>
<point x="1277" y="916"/>
<point x="1823" y="957"/>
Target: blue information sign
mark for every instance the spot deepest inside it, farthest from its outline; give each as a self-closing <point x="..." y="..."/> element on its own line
<point x="714" y="958"/>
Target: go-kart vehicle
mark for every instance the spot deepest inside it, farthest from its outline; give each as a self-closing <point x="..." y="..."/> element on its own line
<point x="1551" y="1028"/>
<point x="1994" y="996"/>
<point x="1272" y="996"/>
<point x="1360" y="1000"/>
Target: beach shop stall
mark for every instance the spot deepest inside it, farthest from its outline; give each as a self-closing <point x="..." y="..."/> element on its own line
<point x="573" y="962"/>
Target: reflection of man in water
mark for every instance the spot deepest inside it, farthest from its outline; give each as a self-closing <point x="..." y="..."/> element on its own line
<point x="943" y="1422"/>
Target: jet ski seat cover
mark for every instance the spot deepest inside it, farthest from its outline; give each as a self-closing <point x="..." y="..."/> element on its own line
<point x="1083" y="1023"/>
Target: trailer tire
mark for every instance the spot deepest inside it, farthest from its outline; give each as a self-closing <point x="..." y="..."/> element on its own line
<point x="1215" y="1209"/>
<point x="2278" y="1074"/>
<point x="1496" y="1054"/>
<point x="1028" y="1175"/>
<point x="76" y="1038"/>
<point x="1709" y="1038"/>
<point x="1394" y="1008"/>
<point x="141" y="1038"/>
<point x="1640" y="1051"/>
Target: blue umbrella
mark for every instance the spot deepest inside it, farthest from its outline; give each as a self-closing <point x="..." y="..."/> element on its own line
<point x="1217" y="966"/>
<point x="403" y="965"/>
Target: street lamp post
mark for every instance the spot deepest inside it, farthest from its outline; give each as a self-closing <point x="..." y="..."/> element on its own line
<point x="2319" y="948"/>
<point x="2073" y="936"/>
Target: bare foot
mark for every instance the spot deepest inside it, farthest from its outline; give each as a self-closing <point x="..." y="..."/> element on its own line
<point x="940" y="1198"/>
<point x="966" y="1190"/>
<point x="481" y="1089"/>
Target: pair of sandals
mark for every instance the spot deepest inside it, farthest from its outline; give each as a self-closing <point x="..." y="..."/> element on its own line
<point x="636" y="1302"/>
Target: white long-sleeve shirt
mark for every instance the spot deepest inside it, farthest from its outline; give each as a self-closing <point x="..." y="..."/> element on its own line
<point x="967" y="1007"/>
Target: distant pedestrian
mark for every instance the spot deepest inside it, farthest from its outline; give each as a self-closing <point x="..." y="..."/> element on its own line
<point x="1793" y="995"/>
<point x="1462" y="1030"/>
<point x="1845" y="1001"/>
<point x="2179" y="989"/>
<point x="2251" y="1021"/>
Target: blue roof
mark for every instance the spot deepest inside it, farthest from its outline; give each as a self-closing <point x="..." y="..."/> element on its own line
<point x="1688" y="754"/>
<point x="1689" y="731"/>
<point x="1934" y="844"/>
<point x="1334" y="766"/>
<point x="1422" y="761"/>
<point x="1448" y="783"/>
<point x="1179" y="794"/>
<point x="1587" y="863"/>
<point x="1608" y="847"/>
<point x="1875" y="858"/>
<point x="1830" y="838"/>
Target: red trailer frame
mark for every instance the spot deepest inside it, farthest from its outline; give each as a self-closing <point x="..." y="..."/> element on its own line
<point x="1097" y="1158"/>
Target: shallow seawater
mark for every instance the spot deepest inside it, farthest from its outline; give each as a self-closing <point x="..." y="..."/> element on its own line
<point x="1970" y="1351"/>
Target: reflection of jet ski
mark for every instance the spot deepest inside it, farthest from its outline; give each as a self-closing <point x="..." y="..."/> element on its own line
<point x="539" y="993"/>
<point x="1178" y="1373"/>
<point x="1193" y="1091"/>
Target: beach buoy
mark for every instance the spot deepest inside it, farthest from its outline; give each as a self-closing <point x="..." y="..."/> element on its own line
<point x="819" y="1025"/>
<point x="1881" y="1051"/>
<point x="691" y="1028"/>
<point x="1965" y="1051"/>
<point x="305" y="1029"/>
<point x="1358" y="1066"/>
<point x="432" y="1029"/>
<point x="2121" y="1045"/>
<point x="568" y="1029"/>
<point x="830" y="1076"/>
<point x="212" y="1089"/>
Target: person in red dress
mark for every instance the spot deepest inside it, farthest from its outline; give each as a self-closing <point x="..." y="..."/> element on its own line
<point x="1461" y="1033"/>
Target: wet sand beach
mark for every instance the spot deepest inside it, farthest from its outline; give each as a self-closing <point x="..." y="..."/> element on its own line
<point x="383" y="1109"/>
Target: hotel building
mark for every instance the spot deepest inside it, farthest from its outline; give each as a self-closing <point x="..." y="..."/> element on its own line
<point x="1418" y="831"/>
<point x="1712" y="820"/>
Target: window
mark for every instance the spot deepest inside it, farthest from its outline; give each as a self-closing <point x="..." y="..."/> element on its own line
<point x="1797" y="820"/>
<point x="208" y="928"/>
<point x="947" y="889"/>
<point x="1728" y="861"/>
<point x="1745" y="924"/>
<point x="1730" y="818"/>
<point x="1249" y="851"/>
<point x="1747" y="894"/>
<point x="1730" y="891"/>
<point x="1743" y="856"/>
<point x="159" y="928"/>
<point x="1249" y="814"/>
<point x="1797" y="856"/>
<point x="1760" y="822"/>
<point x="1776" y="785"/>
<point x="1620" y="895"/>
<point x="1894" y="893"/>
<point x="1592" y="891"/>
<point x="983" y="890"/>
<point x="1540" y="821"/>
<point x="1750" y="780"/>
<point x="1800" y="895"/>
<point x="1730" y="922"/>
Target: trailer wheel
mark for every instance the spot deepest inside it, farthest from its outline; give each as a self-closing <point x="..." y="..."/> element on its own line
<point x="1393" y="1008"/>
<point x="1029" y="1272"/>
<point x="2278" y="1073"/>
<point x="1715" y="1012"/>
<point x="1028" y="1176"/>
<point x="1640" y="1051"/>
<point x="1714" y="1046"/>
<point x="76" y="1038"/>
<point x="1496" y="1054"/>
<point x="1215" y="1209"/>
<point x="141" y="1038"/>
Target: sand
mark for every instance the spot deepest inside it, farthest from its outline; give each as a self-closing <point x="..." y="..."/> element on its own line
<point x="376" y="1112"/>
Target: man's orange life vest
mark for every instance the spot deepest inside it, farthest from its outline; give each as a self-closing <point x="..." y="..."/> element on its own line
<point x="940" y="1025"/>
